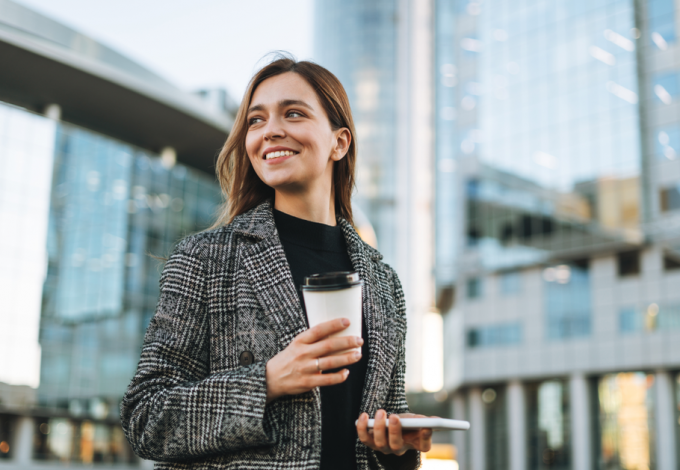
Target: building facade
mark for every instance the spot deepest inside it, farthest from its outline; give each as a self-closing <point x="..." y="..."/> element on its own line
<point x="104" y="166"/>
<point x="557" y="242"/>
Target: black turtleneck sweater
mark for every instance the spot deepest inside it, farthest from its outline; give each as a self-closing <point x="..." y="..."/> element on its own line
<point x="313" y="248"/>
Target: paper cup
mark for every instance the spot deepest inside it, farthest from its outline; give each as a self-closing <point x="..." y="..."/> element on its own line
<point x="334" y="295"/>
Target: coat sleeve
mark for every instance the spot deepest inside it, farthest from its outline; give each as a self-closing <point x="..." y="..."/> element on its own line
<point x="174" y="409"/>
<point x="396" y="395"/>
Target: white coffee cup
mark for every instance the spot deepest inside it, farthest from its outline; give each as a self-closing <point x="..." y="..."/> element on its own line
<point x="334" y="295"/>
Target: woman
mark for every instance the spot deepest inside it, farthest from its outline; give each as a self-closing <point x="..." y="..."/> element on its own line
<point x="230" y="376"/>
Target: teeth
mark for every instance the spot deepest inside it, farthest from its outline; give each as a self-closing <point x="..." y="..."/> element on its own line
<point x="281" y="153"/>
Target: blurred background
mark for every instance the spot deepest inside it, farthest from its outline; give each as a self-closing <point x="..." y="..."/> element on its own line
<point x="518" y="165"/>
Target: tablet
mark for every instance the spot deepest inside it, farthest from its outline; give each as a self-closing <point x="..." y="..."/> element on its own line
<point x="436" y="424"/>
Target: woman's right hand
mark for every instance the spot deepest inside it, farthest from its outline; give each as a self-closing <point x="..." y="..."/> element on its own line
<point x="294" y="370"/>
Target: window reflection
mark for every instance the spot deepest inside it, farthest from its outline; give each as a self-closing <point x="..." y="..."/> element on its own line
<point x="496" y="426"/>
<point x="661" y="14"/>
<point x="495" y="335"/>
<point x="548" y="427"/>
<point x="86" y="442"/>
<point x="667" y="143"/>
<point x="626" y="406"/>
<point x="6" y="441"/>
<point x="510" y="282"/>
<point x="670" y="199"/>
<point x="652" y="317"/>
<point x="475" y="288"/>
<point x="567" y="300"/>
<point x="667" y="87"/>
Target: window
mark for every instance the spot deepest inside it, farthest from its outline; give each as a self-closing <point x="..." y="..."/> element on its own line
<point x="661" y="16"/>
<point x="671" y="261"/>
<point x="495" y="335"/>
<point x="667" y="143"/>
<point x="510" y="282"/>
<point x="650" y="318"/>
<point x="667" y="87"/>
<point x="80" y="441"/>
<point x="474" y="288"/>
<point x="670" y="199"/>
<point x="630" y="320"/>
<point x="548" y="430"/>
<point x="629" y="263"/>
<point x="496" y="427"/>
<point x="626" y="410"/>
<point x="567" y="300"/>
<point x="6" y="442"/>
<point x="446" y="298"/>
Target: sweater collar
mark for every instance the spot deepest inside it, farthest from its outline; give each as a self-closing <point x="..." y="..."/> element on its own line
<point x="259" y="223"/>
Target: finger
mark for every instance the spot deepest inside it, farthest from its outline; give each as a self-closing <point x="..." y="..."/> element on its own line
<point x="334" y="362"/>
<point x="334" y="345"/>
<point x="394" y="435"/>
<point x="379" y="430"/>
<point x="324" y="380"/>
<point x="425" y="439"/>
<point x="322" y="330"/>
<point x="362" y="430"/>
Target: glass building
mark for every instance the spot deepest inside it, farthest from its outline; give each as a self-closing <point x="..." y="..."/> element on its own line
<point x="557" y="213"/>
<point x="95" y="188"/>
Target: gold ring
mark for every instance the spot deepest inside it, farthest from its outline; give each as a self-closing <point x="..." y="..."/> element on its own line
<point x="318" y="367"/>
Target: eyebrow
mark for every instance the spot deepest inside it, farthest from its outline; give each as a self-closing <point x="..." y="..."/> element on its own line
<point x="281" y="104"/>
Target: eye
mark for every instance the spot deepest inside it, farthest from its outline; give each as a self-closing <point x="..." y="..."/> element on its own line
<point x="254" y="120"/>
<point x="295" y="114"/>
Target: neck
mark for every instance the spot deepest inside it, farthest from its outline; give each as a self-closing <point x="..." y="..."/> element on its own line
<point x="319" y="208"/>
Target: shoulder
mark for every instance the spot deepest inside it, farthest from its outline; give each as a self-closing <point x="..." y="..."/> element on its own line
<point x="389" y="274"/>
<point x="255" y="224"/>
<point x="201" y="244"/>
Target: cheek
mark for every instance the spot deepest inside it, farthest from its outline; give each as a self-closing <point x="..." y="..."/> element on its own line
<point x="251" y="145"/>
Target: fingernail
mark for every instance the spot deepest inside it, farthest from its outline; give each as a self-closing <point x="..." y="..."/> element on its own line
<point x="357" y="355"/>
<point x="346" y="373"/>
<point x="360" y="341"/>
<point x="345" y="322"/>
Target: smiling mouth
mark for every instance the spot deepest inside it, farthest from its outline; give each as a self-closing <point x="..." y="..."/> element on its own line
<point x="279" y="154"/>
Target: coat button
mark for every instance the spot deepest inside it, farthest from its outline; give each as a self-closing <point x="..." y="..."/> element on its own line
<point x="246" y="358"/>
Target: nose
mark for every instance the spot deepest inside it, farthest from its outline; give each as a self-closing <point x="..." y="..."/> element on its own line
<point x="274" y="130"/>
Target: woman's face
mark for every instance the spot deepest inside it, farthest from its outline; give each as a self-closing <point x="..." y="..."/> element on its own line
<point x="290" y="142"/>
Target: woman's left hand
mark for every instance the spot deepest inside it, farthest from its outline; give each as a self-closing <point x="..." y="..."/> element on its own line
<point x="391" y="440"/>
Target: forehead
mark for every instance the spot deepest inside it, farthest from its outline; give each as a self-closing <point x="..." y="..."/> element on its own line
<point x="287" y="86"/>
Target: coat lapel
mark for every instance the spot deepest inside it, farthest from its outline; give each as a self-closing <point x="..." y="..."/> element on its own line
<point x="380" y="363"/>
<point x="265" y="262"/>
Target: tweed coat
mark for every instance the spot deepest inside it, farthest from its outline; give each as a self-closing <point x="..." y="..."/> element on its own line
<point x="192" y="405"/>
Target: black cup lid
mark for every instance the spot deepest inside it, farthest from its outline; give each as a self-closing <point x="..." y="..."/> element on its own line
<point x="328" y="281"/>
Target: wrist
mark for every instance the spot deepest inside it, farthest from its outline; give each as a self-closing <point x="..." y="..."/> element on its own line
<point x="271" y="393"/>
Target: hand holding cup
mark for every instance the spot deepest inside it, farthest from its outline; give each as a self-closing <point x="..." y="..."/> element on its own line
<point x="298" y="368"/>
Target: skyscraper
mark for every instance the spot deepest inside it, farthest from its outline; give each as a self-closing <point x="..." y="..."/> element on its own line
<point x="557" y="132"/>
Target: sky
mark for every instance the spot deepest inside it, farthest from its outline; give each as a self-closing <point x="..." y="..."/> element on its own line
<point x="192" y="43"/>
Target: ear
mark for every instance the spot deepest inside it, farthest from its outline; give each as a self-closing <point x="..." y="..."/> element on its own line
<point x="343" y="138"/>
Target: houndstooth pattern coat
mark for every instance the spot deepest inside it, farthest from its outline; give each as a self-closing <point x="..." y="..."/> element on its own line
<point x="192" y="405"/>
